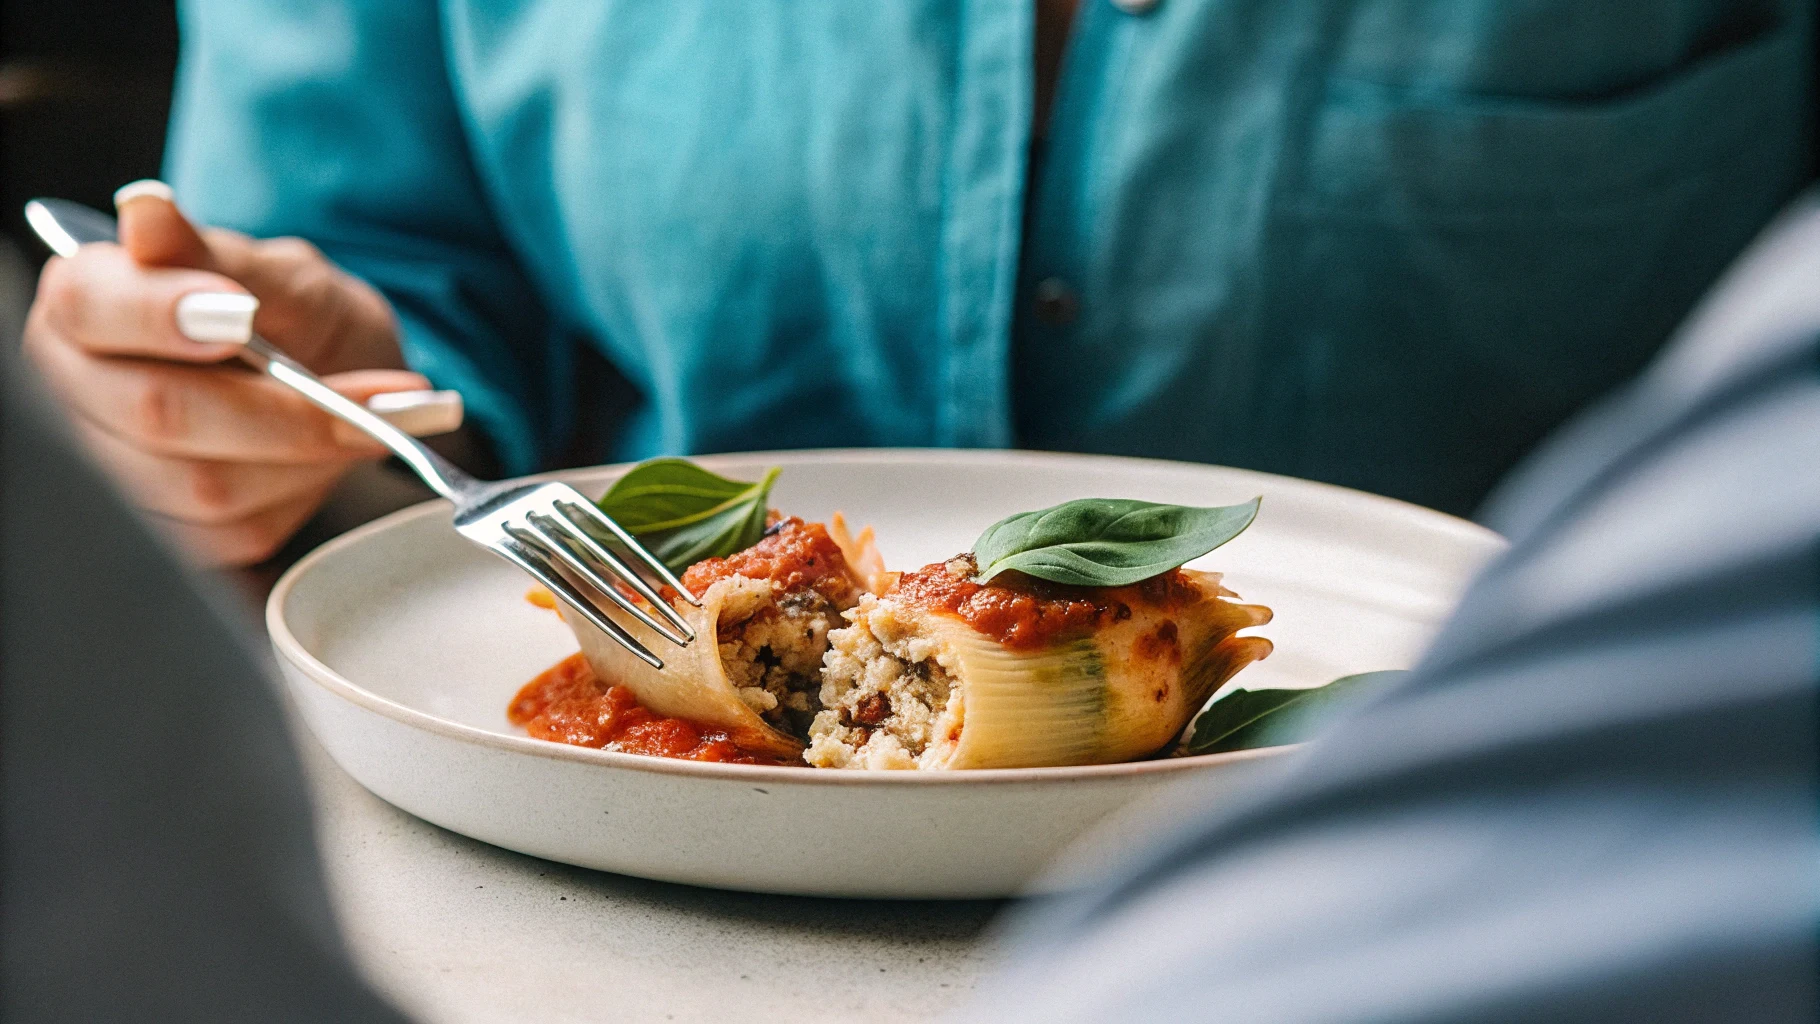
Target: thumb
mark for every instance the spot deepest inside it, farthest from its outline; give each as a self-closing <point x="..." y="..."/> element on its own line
<point x="155" y="232"/>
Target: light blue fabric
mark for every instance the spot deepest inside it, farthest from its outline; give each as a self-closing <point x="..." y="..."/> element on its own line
<point x="1597" y="800"/>
<point x="1384" y="243"/>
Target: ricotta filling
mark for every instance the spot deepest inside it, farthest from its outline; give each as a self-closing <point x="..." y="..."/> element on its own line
<point x="887" y="698"/>
<point x="771" y="649"/>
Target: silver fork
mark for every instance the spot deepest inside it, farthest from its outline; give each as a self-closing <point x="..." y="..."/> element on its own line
<point x="547" y="529"/>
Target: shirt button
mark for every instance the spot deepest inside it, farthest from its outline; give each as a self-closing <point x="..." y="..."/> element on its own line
<point x="1056" y="303"/>
<point x="1136" y="6"/>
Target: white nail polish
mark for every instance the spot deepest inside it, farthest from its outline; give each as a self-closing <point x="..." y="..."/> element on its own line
<point x="142" y="189"/>
<point x="214" y="318"/>
<point x="420" y="413"/>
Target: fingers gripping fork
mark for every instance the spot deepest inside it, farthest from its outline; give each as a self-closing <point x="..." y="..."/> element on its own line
<point x="549" y="530"/>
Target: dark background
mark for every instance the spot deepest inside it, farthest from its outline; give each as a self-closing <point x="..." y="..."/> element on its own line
<point x="85" y="89"/>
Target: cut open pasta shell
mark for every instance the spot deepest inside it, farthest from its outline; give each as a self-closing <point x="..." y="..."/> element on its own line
<point x="907" y="687"/>
<point x="693" y="683"/>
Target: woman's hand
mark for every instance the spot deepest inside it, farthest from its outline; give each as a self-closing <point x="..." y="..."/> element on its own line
<point x="135" y="340"/>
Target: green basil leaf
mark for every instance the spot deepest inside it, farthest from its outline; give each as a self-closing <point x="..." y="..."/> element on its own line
<point x="664" y="494"/>
<point x="1107" y="542"/>
<point x="1244" y="719"/>
<point x="683" y="514"/>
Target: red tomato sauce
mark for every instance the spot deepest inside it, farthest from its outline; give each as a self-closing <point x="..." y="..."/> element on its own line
<point x="569" y="704"/>
<point x="793" y="556"/>
<point x="1023" y="611"/>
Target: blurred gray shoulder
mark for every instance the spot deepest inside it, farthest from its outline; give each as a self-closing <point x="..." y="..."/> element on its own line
<point x="159" y="852"/>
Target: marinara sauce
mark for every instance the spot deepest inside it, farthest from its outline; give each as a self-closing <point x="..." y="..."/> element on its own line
<point x="1023" y="611"/>
<point x="569" y="704"/>
<point x="793" y="556"/>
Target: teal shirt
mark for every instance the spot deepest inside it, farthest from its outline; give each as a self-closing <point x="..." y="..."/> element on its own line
<point x="1384" y="244"/>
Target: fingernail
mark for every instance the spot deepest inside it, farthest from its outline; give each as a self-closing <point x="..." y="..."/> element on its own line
<point x="215" y="318"/>
<point x="149" y="188"/>
<point x="420" y="413"/>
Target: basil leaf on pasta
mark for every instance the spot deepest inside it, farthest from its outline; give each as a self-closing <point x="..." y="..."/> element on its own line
<point x="683" y="513"/>
<point x="1107" y="542"/>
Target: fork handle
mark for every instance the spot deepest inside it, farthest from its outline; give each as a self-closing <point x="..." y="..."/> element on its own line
<point x="439" y="473"/>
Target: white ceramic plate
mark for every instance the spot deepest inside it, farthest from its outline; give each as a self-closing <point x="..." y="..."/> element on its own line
<point x="403" y="645"/>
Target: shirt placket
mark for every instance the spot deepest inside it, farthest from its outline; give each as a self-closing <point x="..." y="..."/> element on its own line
<point x="989" y="146"/>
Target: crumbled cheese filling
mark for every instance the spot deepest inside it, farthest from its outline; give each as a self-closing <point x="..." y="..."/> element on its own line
<point x="771" y="649"/>
<point x="888" y="699"/>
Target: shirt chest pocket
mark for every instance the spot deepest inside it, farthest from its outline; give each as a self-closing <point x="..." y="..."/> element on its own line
<point x="1428" y="154"/>
<point x="1454" y="272"/>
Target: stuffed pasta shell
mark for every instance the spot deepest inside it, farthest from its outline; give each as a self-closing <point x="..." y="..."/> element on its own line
<point x="754" y="671"/>
<point x="1067" y="636"/>
<point x="943" y="672"/>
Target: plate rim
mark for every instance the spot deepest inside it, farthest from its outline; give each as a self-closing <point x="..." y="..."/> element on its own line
<point x="292" y="651"/>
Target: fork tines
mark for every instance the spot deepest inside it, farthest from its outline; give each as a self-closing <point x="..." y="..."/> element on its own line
<point x="558" y="545"/>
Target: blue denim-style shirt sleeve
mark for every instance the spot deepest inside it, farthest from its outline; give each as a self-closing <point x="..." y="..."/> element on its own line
<point x="335" y="122"/>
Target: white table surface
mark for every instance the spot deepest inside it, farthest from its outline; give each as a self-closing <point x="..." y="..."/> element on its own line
<point x="455" y="930"/>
